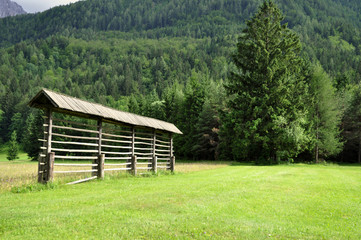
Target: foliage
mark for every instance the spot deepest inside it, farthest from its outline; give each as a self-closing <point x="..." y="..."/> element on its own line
<point x="13" y="148"/>
<point x="268" y="90"/>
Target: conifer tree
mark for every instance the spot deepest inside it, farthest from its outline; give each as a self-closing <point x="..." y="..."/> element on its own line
<point x="268" y="90"/>
<point x="13" y="147"/>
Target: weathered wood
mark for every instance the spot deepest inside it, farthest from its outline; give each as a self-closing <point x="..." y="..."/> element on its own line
<point x="82" y="180"/>
<point x="115" y="146"/>
<point x="164" y="167"/>
<point x="50" y="167"/>
<point x="172" y="163"/>
<point x="144" y="158"/>
<point x="74" y="150"/>
<point x="163" y="146"/>
<point x="154" y="164"/>
<point x="118" y="158"/>
<point x="144" y="149"/>
<point x="143" y="143"/>
<point x="50" y="130"/>
<point x="141" y="163"/>
<point x="116" y="136"/>
<point x="100" y="172"/>
<point x="76" y="171"/>
<point x="134" y="165"/>
<point x="162" y="155"/>
<point x="76" y="143"/>
<point x="151" y="165"/>
<point x="117" y="164"/>
<point x="144" y="168"/>
<point x="41" y="168"/>
<point x="144" y="154"/>
<point x="75" y="164"/>
<point x="74" y="137"/>
<point x="75" y="129"/>
<point x="117" y="153"/>
<point x="144" y="139"/>
<point x="162" y="150"/>
<point x="116" y="141"/>
<point x="117" y="130"/>
<point x="162" y="141"/>
<point x="75" y="157"/>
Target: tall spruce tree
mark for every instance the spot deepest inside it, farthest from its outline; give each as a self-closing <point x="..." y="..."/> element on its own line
<point x="268" y="91"/>
<point x="13" y="149"/>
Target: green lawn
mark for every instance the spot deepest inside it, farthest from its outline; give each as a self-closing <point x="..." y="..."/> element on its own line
<point x="232" y="202"/>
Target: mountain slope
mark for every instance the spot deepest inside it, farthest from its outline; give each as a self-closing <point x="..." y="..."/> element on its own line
<point x="9" y="8"/>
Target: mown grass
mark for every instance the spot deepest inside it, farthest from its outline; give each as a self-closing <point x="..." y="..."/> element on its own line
<point x="233" y="202"/>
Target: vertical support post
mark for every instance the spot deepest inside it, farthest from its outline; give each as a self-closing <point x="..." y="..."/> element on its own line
<point x="172" y="158"/>
<point x="132" y="150"/>
<point x="100" y="167"/>
<point x="134" y="165"/>
<point x="50" y="167"/>
<point x="50" y="130"/>
<point x="154" y="164"/>
<point x="43" y="166"/>
<point x="153" y="155"/>
<point x="99" y="147"/>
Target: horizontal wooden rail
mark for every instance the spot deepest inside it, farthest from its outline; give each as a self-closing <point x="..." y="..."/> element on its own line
<point x="162" y="155"/>
<point x="157" y="140"/>
<point x="75" y="164"/>
<point x="144" y="139"/>
<point x="143" y="154"/>
<point x="116" y="130"/>
<point x="143" y="143"/>
<point x="161" y="145"/>
<point x="76" y="143"/>
<point x="117" y="169"/>
<point x="75" y="157"/>
<point x="82" y="180"/>
<point x="141" y="163"/>
<point x="117" y="164"/>
<point x="144" y="133"/>
<point x="116" y="141"/>
<point x="74" y="150"/>
<point x="164" y="138"/>
<point x="75" y="129"/>
<point x="163" y="167"/>
<point x="76" y="171"/>
<point x="162" y="150"/>
<point x="163" y="163"/>
<point x="144" y="149"/>
<point x="144" y="158"/>
<point x="115" y="146"/>
<point x="117" y="136"/>
<point x="117" y="153"/>
<point x="118" y="158"/>
<point x="42" y="140"/>
<point x="76" y="137"/>
<point x="163" y="159"/>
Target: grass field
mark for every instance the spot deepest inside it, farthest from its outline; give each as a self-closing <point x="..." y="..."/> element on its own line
<point x="201" y="201"/>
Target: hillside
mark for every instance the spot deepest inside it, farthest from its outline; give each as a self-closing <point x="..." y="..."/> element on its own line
<point x="147" y="56"/>
<point x="9" y="8"/>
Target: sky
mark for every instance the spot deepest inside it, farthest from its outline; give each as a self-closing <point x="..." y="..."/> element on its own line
<point x="33" y="6"/>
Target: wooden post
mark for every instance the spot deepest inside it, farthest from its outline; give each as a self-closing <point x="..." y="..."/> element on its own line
<point x="99" y="148"/>
<point x="100" y="172"/>
<point x="172" y="163"/>
<point x="153" y="151"/>
<point x="49" y="176"/>
<point x="172" y="158"/>
<point x="132" y="150"/>
<point x="43" y="158"/>
<point x="50" y="130"/>
<point x="154" y="164"/>
<point x="134" y="165"/>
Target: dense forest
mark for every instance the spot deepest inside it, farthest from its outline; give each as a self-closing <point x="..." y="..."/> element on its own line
<point x="171" y="60"/>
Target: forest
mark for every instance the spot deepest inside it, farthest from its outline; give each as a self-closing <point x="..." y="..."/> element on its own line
<point x="173" y="60"/>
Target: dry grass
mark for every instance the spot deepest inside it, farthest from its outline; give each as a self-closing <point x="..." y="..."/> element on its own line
<point x="24" y="172"/>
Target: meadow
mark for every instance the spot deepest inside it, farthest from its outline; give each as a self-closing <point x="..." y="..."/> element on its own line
<point x="200" y="201"/>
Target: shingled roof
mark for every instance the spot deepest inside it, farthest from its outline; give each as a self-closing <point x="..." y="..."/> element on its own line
<point x="74" y="106"/>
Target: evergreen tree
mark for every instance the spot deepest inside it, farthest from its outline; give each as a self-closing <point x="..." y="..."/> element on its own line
<point x="325" y="115"/>
<point x="33" y="132"/>
<point x="13" y="147"/>
<point x="268" y="90"/>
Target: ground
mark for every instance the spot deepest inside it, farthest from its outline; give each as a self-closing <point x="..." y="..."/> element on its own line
<point x="200" y="201"/>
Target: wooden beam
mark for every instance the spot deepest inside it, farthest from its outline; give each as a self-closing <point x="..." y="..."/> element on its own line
<point x="100" y="173"/>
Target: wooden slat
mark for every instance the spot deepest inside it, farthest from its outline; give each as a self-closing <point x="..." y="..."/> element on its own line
<point x="162" y="163"/>
<point x="164" y="138"/>
<point x="162" y="150"/>
<point x="146" y="158"/>
<point x="144" y="133"/>
<point x="82" y="180"/>
<point x="116" y="141"/>
<point x="75" y="164"/>
<point x="144" y="168"/>
<point x="76" y="143"/>
<point x="144" y="149"/>
<point x="76" y="137"/>
<point x="117" y="136"/>
<point x="75" y="157"/>
<point x="162" y="141"/>
<point x="144" y="154"/>
<point x="166" y="167"/>
<point x="76" y="171"/>
<point x="140" y="163"/>
<point x="114" y="146"/>
<point x="76" y="123"/>
<point x="163" y="159"/>
<point x="118" y="158"/>
<point x="75" y="150"/>
<point x="42" y="140"/>
<point x="75" y="129"/>
<point x="144" y="139"/>
<point x="161" y="145"/>
<point x="163" y="155"/>
<point x="117" y="130"/>
<point x="117" y="153"/>
<point x="144" y="143"/>
<point x="117" y="164"/>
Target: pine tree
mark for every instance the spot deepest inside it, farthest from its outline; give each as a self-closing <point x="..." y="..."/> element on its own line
<point x="268" y="90"/>
<point x="13" y="147"/>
